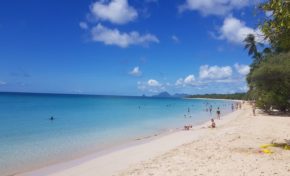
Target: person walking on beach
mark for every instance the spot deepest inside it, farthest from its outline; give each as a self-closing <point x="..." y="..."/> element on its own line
<point x="254" y="108"/>
<point x="233" y="108"/>
<point x="210" y="109"/>
<point x="218" y="112"/>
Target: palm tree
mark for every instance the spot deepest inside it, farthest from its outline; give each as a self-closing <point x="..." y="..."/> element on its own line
<point x="251" y="45"/>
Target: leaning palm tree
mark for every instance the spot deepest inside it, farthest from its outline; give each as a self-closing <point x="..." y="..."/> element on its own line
<point x="251" y="46"/>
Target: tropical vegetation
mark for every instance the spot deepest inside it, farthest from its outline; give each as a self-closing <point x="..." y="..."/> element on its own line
<point x="269" y="77"/>
<point x="235" y="96"/>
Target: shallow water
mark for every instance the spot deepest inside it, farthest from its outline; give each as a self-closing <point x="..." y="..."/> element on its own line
<point x="83" y="124"/>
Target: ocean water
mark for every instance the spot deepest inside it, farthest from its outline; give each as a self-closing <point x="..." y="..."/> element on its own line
<point x="84" y="124"/>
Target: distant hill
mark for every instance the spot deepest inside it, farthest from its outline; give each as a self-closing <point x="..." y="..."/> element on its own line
<point x="162" y="94"/>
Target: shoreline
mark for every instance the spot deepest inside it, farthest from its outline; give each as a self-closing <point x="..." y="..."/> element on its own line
<point x="214" y="99"/>
<point x="52" y="146"/>
<point x="57" y="168"/>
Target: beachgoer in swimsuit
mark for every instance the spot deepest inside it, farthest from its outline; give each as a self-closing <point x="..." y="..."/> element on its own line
<point x="218" y="112"/>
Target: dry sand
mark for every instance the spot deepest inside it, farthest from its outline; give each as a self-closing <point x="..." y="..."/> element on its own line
<point x="230" y="149"/>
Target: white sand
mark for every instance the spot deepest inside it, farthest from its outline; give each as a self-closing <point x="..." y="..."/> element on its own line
<point x="230" y="149"/>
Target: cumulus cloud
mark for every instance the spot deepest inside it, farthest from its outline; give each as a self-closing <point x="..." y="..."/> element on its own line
<point x="115" y="11"/>
<point x="151" y="85"/>
<point x="84" y="25"/>
<point x="213" y="7"/>
<point x="175" y="38"/>
<point x="235" y="31"/>
<point x="135" y="72"/>
<point x="244" y="88"/>
<point x="242" y="69"/>
<point x="187" y="81"/>
<point x="214" y="72"/>
<point x="109" y="36"/>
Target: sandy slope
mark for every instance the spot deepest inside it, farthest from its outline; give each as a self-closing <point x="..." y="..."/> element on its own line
<point x="230" y="149"/>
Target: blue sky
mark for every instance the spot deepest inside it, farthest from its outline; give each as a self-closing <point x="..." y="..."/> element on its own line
<point x="125" y="47"/>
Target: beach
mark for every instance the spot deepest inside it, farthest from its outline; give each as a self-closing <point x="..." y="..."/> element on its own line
<point x="233" y="148"/>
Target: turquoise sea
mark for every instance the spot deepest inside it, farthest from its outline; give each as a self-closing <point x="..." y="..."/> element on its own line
<point x="86" y="124"/>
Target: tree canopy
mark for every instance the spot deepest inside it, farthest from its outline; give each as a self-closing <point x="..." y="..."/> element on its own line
<point x="276" y="25"/>
<point x="269" y="77"/>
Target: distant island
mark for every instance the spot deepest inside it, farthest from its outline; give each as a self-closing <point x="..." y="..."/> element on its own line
<point x="168" y="95"/>
<point x="234" y="96"/>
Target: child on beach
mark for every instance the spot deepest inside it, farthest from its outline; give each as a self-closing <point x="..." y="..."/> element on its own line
<point x="212" y="124"/>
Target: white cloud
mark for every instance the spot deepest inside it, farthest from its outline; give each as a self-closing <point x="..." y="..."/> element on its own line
<point x="175" y="38"/>
<point x="115" y="11"/>
<point x="135" y="72"/>
<point x="83" y="25"/>
<point x="235" y="31"/>
<point x="179" y="82"/>
<point x="187" y="81"/>
<point x="153" y="83"/>
<point x="242" y="69"/>
<point x="108" y="36"/>
<point x="244" y="88"/>
<point x="214" y="72"/>
<point x="227" y="80"/>
<point x="213" y="7"/>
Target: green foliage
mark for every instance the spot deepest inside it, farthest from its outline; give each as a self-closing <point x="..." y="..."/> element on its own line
<point x="276" y="27"/>
<point x="270" y="82"/>
<point x="236" y="96"/>
<point x="269" y="77"/>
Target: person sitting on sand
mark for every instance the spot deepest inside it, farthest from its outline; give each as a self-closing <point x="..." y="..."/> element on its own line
<point x="187" y="127"/>
<point x="212" y="124"/>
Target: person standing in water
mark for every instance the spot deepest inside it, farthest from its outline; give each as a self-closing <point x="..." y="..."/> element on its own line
<point x="218" y="112"/>
<point x="210" y="109"/>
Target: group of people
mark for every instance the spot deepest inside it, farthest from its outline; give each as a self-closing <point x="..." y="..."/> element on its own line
<point x="218" y="113"/>
<point x="209" y="108"/>
<point x="236" y="106"/>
